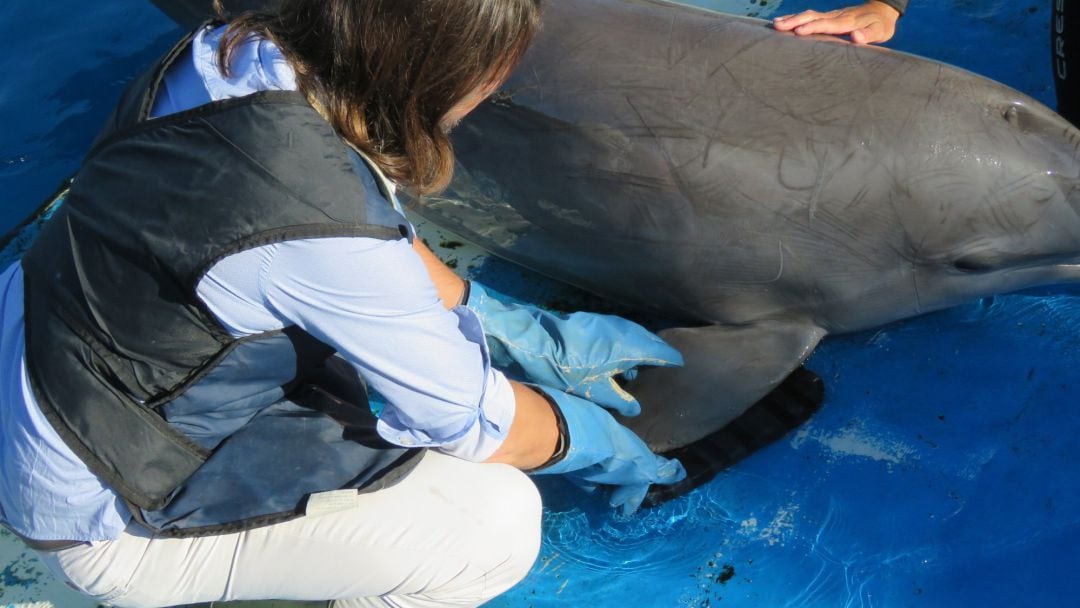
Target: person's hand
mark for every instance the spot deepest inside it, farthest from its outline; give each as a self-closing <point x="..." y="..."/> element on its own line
<point x="866" y="24"/>
<point x="581" y="353"/>
<point x="598" y="450"/>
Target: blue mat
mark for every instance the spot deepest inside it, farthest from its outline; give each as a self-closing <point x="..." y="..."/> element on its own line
<point x="938" y="473"/>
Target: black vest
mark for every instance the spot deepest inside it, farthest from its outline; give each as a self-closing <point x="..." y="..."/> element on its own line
<point x="198" y="431"/>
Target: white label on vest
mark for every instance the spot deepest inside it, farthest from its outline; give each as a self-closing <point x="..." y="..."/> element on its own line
<point x="331" y="502"/>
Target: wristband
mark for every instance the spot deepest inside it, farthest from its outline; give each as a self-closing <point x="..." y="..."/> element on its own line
<point x="464" y="300"/>
<point x="562" y="446"/>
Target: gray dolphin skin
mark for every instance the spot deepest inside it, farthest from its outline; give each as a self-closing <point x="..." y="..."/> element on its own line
<point x="761" y="189"/>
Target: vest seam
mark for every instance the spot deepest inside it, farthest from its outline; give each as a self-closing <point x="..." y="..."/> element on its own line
<point x="110" y="475"/>
<point x="95" y="345"/>
<point x="292" y="233"/>
<point x="388" y="476"/>
<point x="151" y="94"/>
<point x="72" y="440"/>
<point x="284" y="98"/>
<point x="246" y="157"/>
<point x="158" y="401"/>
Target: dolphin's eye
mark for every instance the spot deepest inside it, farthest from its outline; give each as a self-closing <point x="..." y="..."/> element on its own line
<point x="1012" y="116"/>
<point x="977" y="263"/>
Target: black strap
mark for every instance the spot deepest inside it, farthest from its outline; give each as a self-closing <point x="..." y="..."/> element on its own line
<point x="1065" y="58"/>
<point x="562" y="446"/>
<point x="464" y="300"/>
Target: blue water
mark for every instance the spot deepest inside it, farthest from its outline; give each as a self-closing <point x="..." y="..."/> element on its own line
<point x="940" y="471"/>
<point x="63" y="66"/>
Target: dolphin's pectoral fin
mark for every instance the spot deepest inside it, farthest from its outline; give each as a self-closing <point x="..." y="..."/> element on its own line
<point x="727" y="369"/>
<point x="742" y="388"/>
<point x="773" y="416"/>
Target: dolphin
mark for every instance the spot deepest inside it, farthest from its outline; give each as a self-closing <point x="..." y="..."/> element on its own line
<point x="761" y="190"/>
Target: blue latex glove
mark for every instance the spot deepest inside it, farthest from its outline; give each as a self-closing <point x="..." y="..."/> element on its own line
<point x="602" y="451"/>
<point x="580" y="353"/>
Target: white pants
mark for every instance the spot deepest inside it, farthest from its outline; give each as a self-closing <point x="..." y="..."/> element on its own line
<point x="452" y="533"/>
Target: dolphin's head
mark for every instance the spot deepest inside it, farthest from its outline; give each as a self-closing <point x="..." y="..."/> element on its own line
<point x="904" y="185"/>
<point x="990" y="197"/>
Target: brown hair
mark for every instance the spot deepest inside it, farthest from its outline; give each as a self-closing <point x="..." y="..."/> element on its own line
<point x="386" y="72"/>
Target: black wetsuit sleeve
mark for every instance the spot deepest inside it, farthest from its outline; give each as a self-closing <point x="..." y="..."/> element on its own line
<point x="1065" y="57"/>
<point x="899" y="5"/>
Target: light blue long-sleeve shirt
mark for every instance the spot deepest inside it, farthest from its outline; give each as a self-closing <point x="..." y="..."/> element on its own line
<point x="372" y="300"/>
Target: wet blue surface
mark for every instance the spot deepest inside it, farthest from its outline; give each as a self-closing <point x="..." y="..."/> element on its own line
<point x="64" y="65"/>
<point x="939" y="473"/>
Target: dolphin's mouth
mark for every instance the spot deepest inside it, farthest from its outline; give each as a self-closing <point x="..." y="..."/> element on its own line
<point x="985" y="263"/>
<point x="1050" y="274"/>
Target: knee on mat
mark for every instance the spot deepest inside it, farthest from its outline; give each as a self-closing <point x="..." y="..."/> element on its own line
<point x="514" y="520"/>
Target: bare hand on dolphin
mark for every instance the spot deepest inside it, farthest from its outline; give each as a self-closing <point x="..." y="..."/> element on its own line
<point x="869" y="23"/>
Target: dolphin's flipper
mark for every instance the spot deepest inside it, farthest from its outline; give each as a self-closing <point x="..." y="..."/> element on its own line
<point x="785" y="408"/>
<point x="728" y="369"/>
